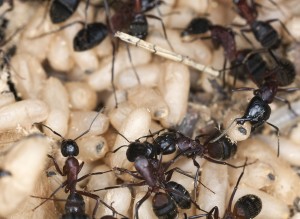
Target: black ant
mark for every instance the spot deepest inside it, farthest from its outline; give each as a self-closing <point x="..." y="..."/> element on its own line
<point x="262" y="30"/>
<point x="71" y="169"/>
<point x="156" y="175"/>
<point x="258" y="110"/>
<point x="246" y="207"/>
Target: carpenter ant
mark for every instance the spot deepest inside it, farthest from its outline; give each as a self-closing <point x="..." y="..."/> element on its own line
<point x="156" y="176"/>
<point x="246" y="207"/>
<point x="75" y="207"/>
<point x="262" y="30"/>
<point x="71" y="169"/>
<point x="258" y="110"/>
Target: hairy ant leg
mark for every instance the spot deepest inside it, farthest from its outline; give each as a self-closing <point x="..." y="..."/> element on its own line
<point x="163" y="27"/>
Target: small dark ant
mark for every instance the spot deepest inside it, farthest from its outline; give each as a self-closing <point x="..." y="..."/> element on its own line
<point x="262" y="30"/>
<point x="246" y="207"/>
<point x="71" y="169"/>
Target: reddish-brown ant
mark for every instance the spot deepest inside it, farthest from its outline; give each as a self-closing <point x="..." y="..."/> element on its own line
<point x="71" y="169"/>
<point x="246" y="207"/>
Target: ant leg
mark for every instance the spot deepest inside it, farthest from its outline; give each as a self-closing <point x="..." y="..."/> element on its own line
<point x="243" y="31"/>
<point x="132" y="173"/>
<point x="277" y="133"/>
<point x="223" y="72"/>
<point x="164" y="29"/>
<point x="243" y="89"/>
<point x="98" y="200"/>
<point x="52" y="194"/>
<point x="86" y="131"/>
<point x="225" y="163"/>
<point x="236" y="186"/>
<point x="197" y="165"/>
<point x="56" y="165"/>
<point x="120" y="186"/>
<point x="140" y="202"/>
<point x="132" y="65"/>
<point x="57" y="30"/>
<point x="288" y="104"/>
<point x="113" y="70"/>
<point x="91" y="174"/>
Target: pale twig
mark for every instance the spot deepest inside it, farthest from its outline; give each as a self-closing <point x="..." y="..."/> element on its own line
<point x="165" y="53"/>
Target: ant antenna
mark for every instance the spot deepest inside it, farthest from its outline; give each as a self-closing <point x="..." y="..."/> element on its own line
<point x="236" y="186"/>
<point x="58" y="30"/>
<point x="86" y="131"/>
<point x="54" y="132"/>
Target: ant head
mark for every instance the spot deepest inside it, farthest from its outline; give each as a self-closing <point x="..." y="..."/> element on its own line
<point x="248" y="206"/>
<point x="69" y="148"/>
<point x="197" y="26"/>
<point x="222" y="149"/>
<point x="166" y="143"/>
<point x="164" y="206"/>
<point x="136" y="149"/>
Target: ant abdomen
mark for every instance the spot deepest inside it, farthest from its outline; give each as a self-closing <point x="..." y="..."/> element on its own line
<point x="166" y="143"/>
<point x="179" y="194"/>
<point x="163" y="206"/>
<point x="89" y="36"/>
<point x="136" y="149"/>
<point x="139" y="26"/>
<point x="197" y="26"/>
<point x="248" y="206"/>
<point x="222" y="149"/>
<point x="75" y="207"/>
<point x="266" y="35"/>
<point x="285" y="72"/>
<point x="61" y="10"/>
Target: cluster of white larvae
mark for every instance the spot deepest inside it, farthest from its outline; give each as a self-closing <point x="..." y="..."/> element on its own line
<point x="66" y="100"/>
